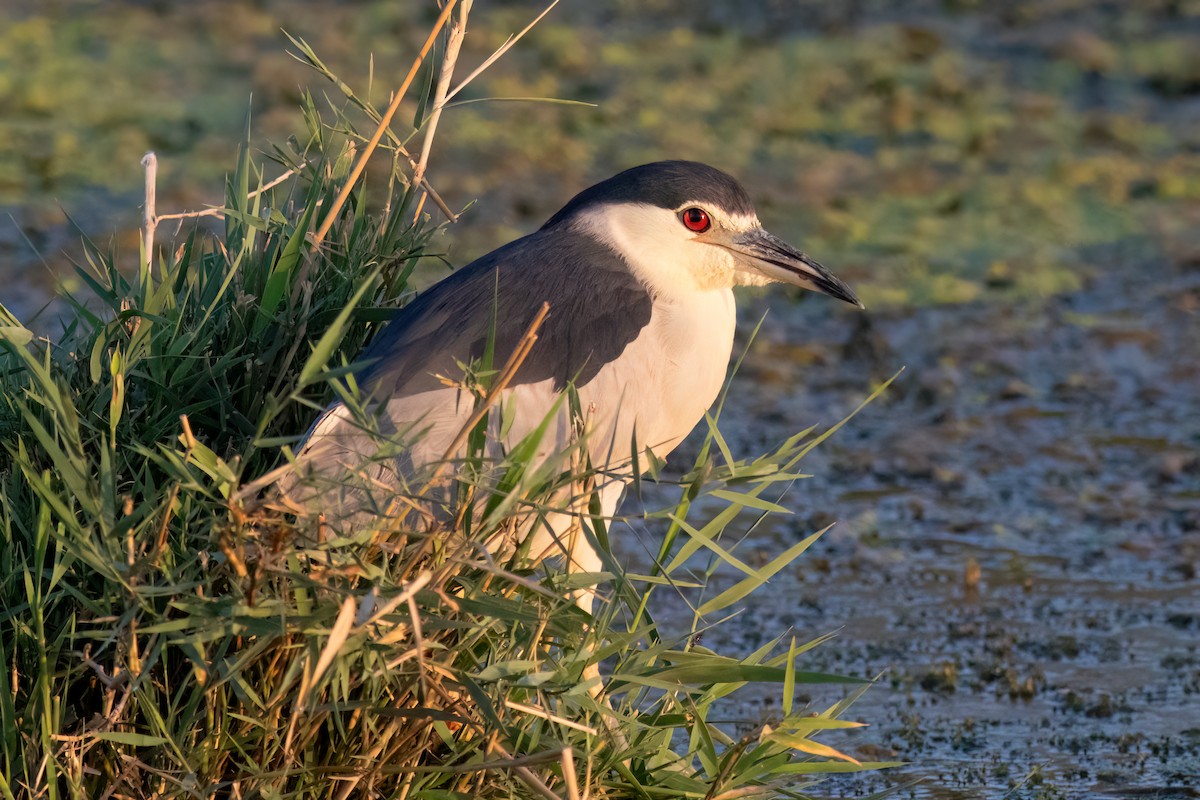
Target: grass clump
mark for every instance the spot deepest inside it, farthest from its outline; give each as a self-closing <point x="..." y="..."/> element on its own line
<point x="160" y="638"/>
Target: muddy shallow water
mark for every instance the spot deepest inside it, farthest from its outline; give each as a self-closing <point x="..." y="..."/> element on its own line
<point x="1017" y="537"/>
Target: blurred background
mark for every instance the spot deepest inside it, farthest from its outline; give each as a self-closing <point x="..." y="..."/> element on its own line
<point x="1014" y="190"/>
<point x="935" y="152"/>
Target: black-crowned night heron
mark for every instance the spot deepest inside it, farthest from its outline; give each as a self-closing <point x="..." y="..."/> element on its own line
<point x="637" y="271"/>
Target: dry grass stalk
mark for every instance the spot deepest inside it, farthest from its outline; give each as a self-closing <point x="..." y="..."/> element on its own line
<point x="373" y="142"/>
<point x="458" y="31"/>
<point x="149" y="217"/>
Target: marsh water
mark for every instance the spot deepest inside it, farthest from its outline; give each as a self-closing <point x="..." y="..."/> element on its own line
<point x="1013" y="188"/>
<point x="1016" y="539"/>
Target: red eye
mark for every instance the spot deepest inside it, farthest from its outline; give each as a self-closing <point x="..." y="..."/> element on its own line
<point x="696" y="219"/>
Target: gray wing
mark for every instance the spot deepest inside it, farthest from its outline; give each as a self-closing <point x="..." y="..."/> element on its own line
<point x="597" y="307"/>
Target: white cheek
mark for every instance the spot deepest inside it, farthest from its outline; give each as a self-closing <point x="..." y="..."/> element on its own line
<point x="664" y="254"/>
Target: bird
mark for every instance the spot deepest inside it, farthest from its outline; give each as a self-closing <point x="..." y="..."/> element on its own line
<point x="638" y="272"/>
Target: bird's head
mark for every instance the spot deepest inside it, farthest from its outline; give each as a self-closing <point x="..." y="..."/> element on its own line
<point x="682" y="225"/>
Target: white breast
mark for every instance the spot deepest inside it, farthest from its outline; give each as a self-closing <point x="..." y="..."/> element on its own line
<point x="656" y="391"/>
<point x="665" y="380"/>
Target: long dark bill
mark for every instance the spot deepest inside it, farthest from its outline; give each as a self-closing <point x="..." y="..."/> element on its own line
<point x="781" y="261"/>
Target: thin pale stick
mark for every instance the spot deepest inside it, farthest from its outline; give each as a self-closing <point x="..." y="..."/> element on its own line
<point x="506" y="376"/>
<point x="361" y="164"/>
<point x="458" y="31"/>
<point x="149" y="217"/>
<point x="546" y="715"/>
<point x="507" y="763"/>
<point x="568" y="768"/>
<point x="437" y="199"/>
<point x="527" y="775"/>
<point x="219" y="211"/>
<point x="501" y="50"/>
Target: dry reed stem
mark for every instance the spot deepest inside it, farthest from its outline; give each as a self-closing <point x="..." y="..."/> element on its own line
<point x="219" y="211"/>
<point x="420" y="206"/>
<point x="500" y="51"/>
<point x="569" y="777"/>
<point x="418" y="645"/>
<point x="149" y="217"/>
<point x="546" y="715"/>
<point x="372" y="756"/>
<point x="337" y="637"/>
<point x="526" y="775"/>
<point x="509" y="762"/>
<point x="416" y="585"/>
<point x="419" y="165"/>
<point x="458" y="31"/>
<point x="520" y="353"/>
<point x="361" y="164"/>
